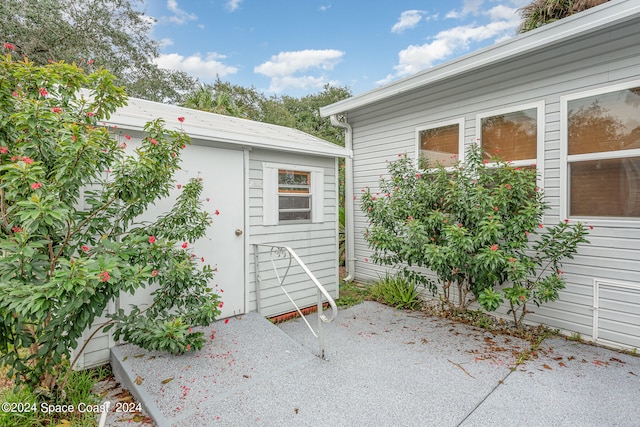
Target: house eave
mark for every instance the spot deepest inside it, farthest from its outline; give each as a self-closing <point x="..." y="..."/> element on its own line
<point x="558" y="33"/>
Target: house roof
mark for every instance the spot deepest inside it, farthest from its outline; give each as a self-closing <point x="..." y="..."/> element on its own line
<point x="218" y="128"/>
<point x="564" y="31"/>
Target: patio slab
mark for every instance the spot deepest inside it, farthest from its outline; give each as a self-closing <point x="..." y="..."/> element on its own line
<point x="384" y="367"/>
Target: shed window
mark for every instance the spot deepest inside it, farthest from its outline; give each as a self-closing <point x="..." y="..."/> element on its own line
<point x="603" y="154"/>
<point x="440" y="143"/>
<point x="294" y="195"/>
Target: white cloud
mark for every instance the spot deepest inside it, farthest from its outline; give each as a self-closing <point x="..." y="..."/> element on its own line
<point x="408" y="19"/>
<point x="324" y="8"/>
<point x="179" y="16"/>
<point x="207" y="67"/>
<point x="469" y="7"/>
<point x="165" y="42"/>
<point x="456" y="40"/>
<point x="232" y="5"/>
<point x="294" y="69"/>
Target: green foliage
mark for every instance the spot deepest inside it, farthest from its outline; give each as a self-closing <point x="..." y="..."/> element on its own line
<point x="62" y="263"/>
<point x="94" y="34"/>
<point x="352" y="294"/>
<point x="397" y="291"/>
<point x="26" y="408"/>
<point x="542" y="12"/>
<point x="476" y="227"/>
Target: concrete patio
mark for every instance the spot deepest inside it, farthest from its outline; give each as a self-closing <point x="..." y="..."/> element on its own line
<point x="385" y="367"/>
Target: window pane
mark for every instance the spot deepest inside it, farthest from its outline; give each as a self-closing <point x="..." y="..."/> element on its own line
<point x="294" y="216"/>
<point x="606" y="122"/>
<point x="605" y="187"/>
<point x="511" y="136"/>
<point x="293" y="202"/>
<point x="439" y="145"/>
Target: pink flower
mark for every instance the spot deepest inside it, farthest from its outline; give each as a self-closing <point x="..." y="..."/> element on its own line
<point x="90" y="62"/>
<point x="418" y="175"/>
<point x="188" y="347"/>
<point x="154" y="273"/>
<point x="123" y="145"/>
<point x="512" y="259"/>
<point x="217" y="212"/>
<point x="43" y="91"/>
<point x="184" y="146"/>
<point x="184" y="245"/>
<point x="104" y="276"/>
<point x="521" y="297"/>
<point x="495" y="208"/>
<point x="566" y="221"/>
<point x="202" y="259"/>
<point x="85" y="248"/>
<point x="27" y="160"/>
<point x="153" y="141"/>
<point x="90" y="114"/>
<point x="56" y="110"/>
<point x="508" y="186"/>
<point x="9" y="46"/>
<point x="14" y="93"/>
<point x="16" y="229"/>
<point x="179" y="186"/>
<point x="526" y="233"/>
<point x="152" y="239"/>
<point x="221" y="304"/>
<point x="226" y="320"/>
<point x="3" y="150"/>
<point x="127" y="137"/>
<point x="181" y="119"/>
<point x="36" y="185"/>
<point x="540" y="225"/>
<point x="494" y="247"/>
<point x="591" y="227"/>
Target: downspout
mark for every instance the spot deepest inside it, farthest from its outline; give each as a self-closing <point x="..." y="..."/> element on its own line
<point x="349" y="234"/>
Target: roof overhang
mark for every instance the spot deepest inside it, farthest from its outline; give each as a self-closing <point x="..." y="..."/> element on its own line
<point x="599" y="18"/>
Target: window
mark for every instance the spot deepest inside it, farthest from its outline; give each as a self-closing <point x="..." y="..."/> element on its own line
<point x="602" y="151"/>
<point x="441" y="143"/>
<point x="514" y="135"/>
<point x="292" y="194"/>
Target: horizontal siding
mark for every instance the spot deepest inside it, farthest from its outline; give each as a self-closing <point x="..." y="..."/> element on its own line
<point x="316" y="244"/>
<point x="385" y="129"/>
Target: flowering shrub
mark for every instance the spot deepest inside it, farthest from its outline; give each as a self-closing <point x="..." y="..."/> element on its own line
<point x="65" y="257"/>
<point x="476" y="227"/>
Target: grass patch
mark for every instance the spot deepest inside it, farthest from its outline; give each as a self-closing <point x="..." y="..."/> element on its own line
<point x="352" y="294"/>
<point x="27" y="404"/>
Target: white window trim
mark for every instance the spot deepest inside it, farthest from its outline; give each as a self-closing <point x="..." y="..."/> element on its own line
<point x="459" y="122"/>
<point x="270" y="211"/>
<point x="540" y="133"/>
<point x="565" y="158"/>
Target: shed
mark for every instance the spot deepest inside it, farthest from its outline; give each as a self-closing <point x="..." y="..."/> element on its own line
<point x="265" y="185"/>
<point x="575" y="85"/>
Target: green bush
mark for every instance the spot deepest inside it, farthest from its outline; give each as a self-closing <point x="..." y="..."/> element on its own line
<point x="476" y="226"/>
<point x="397" y="291"/>
<point x="62" y="263"/>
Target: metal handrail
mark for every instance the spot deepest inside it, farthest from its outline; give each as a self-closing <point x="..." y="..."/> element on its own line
<point x="280" y="252"/>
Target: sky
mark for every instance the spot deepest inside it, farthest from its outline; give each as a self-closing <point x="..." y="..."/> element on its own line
<point x="296" y="47"/>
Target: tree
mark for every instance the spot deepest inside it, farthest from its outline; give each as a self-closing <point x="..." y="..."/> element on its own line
<point x="476" y="227"/>
<point x="204" y="98"/>
<point x="542" y="12"/>
<point x="93" y="34"/>
<point x="64" y="258"/>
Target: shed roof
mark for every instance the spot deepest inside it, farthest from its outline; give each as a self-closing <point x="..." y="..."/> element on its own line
<point x="223" y="129"/>
<point x="564" y="31"/>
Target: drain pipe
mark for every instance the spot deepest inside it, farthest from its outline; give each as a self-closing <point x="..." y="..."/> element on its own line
<point x="349" y="233"/>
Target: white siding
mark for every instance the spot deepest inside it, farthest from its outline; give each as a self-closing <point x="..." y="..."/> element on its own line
<point x="385" y="129"/>
<point x="315" y="243"/>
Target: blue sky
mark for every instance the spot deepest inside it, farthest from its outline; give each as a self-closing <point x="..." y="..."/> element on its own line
<point x="295" y="47"/>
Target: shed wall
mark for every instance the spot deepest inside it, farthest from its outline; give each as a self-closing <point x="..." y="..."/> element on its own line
<point x="383" y="130"/>
<point x="315" y="243"/>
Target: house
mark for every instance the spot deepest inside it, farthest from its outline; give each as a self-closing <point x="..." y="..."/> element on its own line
<point x="263" y="184"/>
<point x="573" y="88"/>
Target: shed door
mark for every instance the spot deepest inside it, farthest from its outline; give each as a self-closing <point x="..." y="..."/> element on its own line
<point x="222" y="172"/>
